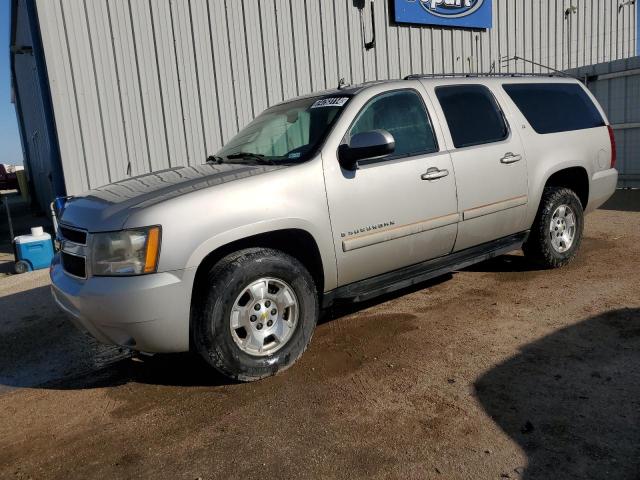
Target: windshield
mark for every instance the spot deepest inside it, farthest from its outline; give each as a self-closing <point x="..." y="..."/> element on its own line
<point x="286" y="133"/>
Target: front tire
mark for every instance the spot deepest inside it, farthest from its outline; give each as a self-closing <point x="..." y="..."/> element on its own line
<point x="556" y="233"/>
<point x="256" y="314"/>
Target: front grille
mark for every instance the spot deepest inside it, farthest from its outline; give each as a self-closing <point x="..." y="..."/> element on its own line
<point x="74" y="265"/>
<point x="75" y="236"/>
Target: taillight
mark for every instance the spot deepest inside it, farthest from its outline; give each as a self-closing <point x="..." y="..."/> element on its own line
<point x="612" y="139"/>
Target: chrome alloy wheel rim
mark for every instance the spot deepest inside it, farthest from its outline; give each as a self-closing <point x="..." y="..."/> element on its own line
<point x="264" y="317"/>
<point x="562" y="229"/>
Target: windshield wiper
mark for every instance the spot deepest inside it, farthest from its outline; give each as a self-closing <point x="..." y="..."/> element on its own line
<point x="255" y="157"/>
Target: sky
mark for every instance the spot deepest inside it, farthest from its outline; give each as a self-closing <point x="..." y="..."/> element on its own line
<point x="10" y="148"/>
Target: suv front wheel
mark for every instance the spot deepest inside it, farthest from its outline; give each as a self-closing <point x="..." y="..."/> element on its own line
<point x="557" y="230"/>
<point x="256" y="313"/>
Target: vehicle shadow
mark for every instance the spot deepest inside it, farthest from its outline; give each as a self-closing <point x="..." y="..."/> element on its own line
<point x="176" y="370"/>
<point x="623" y="200"/>
<point x="509" y="263"/>
<point x="39" y="344"/>
<point x="188" y="369"/>
<point x="571" y="400"/>
<point x="41" y="348"/>
<point x="343" y="309"/>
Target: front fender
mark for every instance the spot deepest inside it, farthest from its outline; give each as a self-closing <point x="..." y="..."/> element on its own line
<point x="264" y="227"/>
<point x="199" y="222"/>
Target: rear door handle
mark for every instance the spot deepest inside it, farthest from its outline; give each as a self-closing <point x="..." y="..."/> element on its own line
<point x="434" y="173"/>
<point x="511" y="158"/>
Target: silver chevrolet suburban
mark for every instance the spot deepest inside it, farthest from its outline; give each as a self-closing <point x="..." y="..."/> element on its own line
<point x="341" y="195"/>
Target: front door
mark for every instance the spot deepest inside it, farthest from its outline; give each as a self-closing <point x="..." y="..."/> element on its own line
<point x="398" y="210"/>
<point x="489" y="162"/>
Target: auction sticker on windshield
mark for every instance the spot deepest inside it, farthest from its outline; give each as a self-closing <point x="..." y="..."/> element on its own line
<point x="330" y="102"/>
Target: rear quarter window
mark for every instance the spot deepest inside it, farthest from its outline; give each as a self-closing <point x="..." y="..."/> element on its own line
<point x="555" y="107"/>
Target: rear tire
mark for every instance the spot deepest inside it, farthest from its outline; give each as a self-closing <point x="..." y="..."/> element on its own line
<point x="256" y="314"/>
<point x="556" y="233"/>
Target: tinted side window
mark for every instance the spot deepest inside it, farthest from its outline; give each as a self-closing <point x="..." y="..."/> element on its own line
<point x="472" y="114"/>
<point x="402" y="114"/>
<point x="555" y="107"/>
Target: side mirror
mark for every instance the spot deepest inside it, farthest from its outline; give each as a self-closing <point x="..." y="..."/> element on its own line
<point x="365" y="145"/>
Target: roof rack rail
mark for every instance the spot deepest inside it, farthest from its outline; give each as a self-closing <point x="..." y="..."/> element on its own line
<point x="488" y="74"/>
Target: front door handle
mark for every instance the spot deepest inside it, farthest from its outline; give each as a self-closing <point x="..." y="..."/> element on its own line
<point x="511" y="158"/>
<point x="434" y="173"/>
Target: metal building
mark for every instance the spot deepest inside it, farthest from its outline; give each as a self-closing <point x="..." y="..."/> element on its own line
<point x="616" y="85"/>
<point x="106" y="89"/>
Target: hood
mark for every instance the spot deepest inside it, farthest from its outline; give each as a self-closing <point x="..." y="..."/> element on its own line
<point x="107" y="208"/>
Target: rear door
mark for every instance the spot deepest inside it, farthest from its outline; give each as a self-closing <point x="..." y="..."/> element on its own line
<point x="489" y="163"/>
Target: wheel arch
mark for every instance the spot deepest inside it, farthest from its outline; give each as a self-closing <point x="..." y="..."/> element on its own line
<point x="297" y="242"/>
<point x="574" y="178"/>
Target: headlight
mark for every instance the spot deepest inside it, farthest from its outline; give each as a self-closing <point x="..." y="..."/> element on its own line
<point x="128" y="252"/>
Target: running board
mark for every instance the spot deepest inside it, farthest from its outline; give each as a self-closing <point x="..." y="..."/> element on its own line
<point x="405" y="277"/>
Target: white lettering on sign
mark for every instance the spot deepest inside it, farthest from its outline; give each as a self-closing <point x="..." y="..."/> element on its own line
<point x="449" y="3"/>
<point x="451" y="8"/>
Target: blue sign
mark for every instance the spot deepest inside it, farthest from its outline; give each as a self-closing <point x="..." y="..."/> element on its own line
<point x="450" y="13"/>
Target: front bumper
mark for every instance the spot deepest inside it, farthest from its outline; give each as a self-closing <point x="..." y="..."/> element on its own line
<point x="603" y="185"/>
<point x="147" y="312"/>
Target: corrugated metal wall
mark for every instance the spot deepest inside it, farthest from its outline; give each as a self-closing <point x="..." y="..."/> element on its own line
<point x="142" y="85"/>
<point x="616" y="85"/>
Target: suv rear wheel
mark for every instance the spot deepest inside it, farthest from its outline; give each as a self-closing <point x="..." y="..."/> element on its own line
<point x="557" y="230"/>
<point x="256" y="313"/>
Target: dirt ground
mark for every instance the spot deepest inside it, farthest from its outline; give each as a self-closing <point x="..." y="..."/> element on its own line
<point x="498" y="371"/>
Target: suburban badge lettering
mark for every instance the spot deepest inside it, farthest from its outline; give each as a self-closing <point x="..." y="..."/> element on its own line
<point x="368" y="228"/>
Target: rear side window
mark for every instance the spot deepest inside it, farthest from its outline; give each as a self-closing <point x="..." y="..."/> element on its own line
<point x="472" y="114"/>
<point x="555" y="107"/>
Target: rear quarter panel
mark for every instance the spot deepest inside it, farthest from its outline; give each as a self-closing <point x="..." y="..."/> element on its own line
<point x="549" y="153"/>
